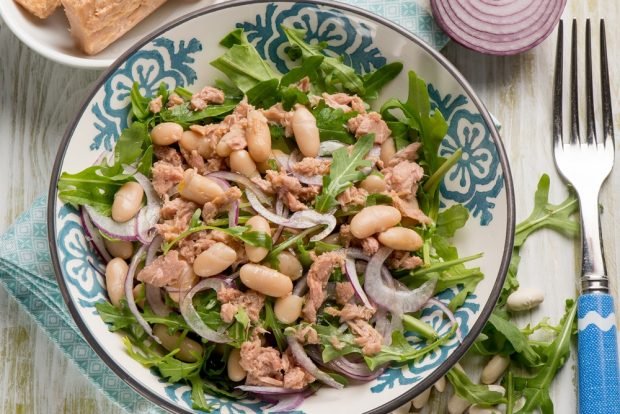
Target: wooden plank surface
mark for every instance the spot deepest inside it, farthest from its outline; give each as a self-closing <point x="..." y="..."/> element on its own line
<point x="39" y="97"/>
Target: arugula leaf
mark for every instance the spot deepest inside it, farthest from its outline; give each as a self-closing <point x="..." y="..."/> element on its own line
<point x="474" y="393"/>
<point x="509" y="339"/>
<point x="375" y="199"/>
<point x="332" y="123"/>
<point x="139" y="103"/>
<point x="264" y="94"/>
<point x="199" y="402"/>
<point x="376" y="80"/>
<point x="278" y="140"/>
<point x="292" y="95"/>
<point x="132" y="143"/>
<point x="344" y="172"/>
<point x="184" y="116"/>
<point x="271" y="324"/>
<point x="117" y="318"/>
<point x="309" y="68"/>
<point x="451" y="219"/>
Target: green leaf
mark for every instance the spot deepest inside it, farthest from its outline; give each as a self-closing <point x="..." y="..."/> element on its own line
<point x="292" y="95"/>
<point x="117" y="318"/>
<point x="236" y="37"/>
<point x="132" y="143"/>
<point x="376" y="199"/>
<point x="199" y="402"/>
<point x="344" y="172"/>
<point x="272" y="325"/>
<point x="451" y="219"/>
<point x="508" y="331"/>
<point x="376" y="80"/>
<point x="309" y="68"/>
<point x="264" y="94"/>
<point x="474" y="393"/>
<point x="279" y="140"/>
<point x="184" y="116"/>
<point x="332" y="123"/>
<point x="139" y="103"/>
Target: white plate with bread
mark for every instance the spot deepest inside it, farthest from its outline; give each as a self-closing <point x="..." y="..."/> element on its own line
<point x="89" y="33"/>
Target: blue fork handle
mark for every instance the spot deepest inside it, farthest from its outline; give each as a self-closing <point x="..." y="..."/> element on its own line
<point x="599" y="372"/>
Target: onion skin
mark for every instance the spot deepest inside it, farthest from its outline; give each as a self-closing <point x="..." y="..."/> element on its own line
<point x="498" y="28"/>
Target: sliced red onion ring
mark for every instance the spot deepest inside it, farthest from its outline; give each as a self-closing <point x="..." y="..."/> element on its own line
<point x="287" y="403"/>
<point x="304" y="360"/>
<point x="349" y="265"/>
<point x="448" y="313"/>
<point x="233" y="210"/>
<point x="283" y="161"/>
<point x="121" y="231"/>
<point x="382" y="325"/>
<point x="498" y="27"/>
<point x="281" y="210"/>
<point x="357" y="371"/>
<point x="300" y="286"/>
<point x="155" y="300"/>
<point x="93" y="235"/>
<point x="244" y="181"/>
<point x="394" y="300"/>
<point x="153" y="249"/>
<point x="131" y="301"/>
<point x="193" y="319"/>
<point x="256" y="389"/>
<point x="326" y="148"/>
<point x="148" y="216"/>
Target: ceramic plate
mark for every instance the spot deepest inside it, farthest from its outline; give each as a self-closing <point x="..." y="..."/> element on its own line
<point x="179" y="55"/>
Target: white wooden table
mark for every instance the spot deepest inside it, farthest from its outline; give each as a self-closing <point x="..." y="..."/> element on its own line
<point x="38" y="98"/>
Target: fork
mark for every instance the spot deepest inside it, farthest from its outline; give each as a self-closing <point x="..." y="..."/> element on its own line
<point x="585" y="162"/>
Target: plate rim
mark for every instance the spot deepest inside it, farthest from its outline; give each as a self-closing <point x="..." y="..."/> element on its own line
<point x="474" y="332"/>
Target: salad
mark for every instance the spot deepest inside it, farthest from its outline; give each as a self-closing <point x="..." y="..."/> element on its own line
<point x="271" y="234"/>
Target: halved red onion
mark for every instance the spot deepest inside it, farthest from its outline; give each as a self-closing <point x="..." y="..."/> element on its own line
<point x="326" y="148"/>
<point x="304" y="360"/>
<point x="193" y="319"/>
<point x="357" y="371"/>
<point x="349" y="265"/>
<point x="244" y="181"/>
<point x="392" y="299"/>
<point x="498" y="27"/>
<point x="93" y="235"/>
<point x="448" y="313"/>
<point x="233" y="210"/>
<point x="131" y="301"/>
<point x="121" y="231"/>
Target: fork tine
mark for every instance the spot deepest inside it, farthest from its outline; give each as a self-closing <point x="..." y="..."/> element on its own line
<point x="574" y="95"/>
<point x="590" y="125"/>
<point x="608" y="125"/>
<point x="557" y="88"/>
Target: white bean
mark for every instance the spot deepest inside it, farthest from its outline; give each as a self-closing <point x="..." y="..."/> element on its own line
<point x="139" y="295"/>
<point x="421" y="400"/>
<point x="440" y="385"/>
<point x="497" y="388"/>
<point x="241" y="162"/>
<point x="524" y="299"/>
<point x="494" y="369"/>
<point x="373" y="184"/>
<point x="119" y="248"/>
<point x="235" y="371"/>
<point x="256" y="254"/>
<point x="457" y="405"/>
<point x="306" y="132"/>
<point x="193" y="141"/>
<point x="115" y="275"/>
<point x="290" y="265"/>
<point x="374" y="219"/>
<point x="267" y="281"/>
<point x="388" y="149"/>
<point x="166" y="133"/>
<point x="288" y="308"/>
<point x="258" y="136"/>
<point x="401" y="238"/>
<point x="127" y="202"/>
<point x="199" y="189"/>
<point x="214" y="260"/>
<point x="189" y="350"/>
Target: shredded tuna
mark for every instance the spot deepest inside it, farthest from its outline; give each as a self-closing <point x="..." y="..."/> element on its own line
<point x="307" y="335"/>
<point x="219" y="203"/>
<point x="165" y="270"/>
<point x="165" y="176"/>
<point x="312" y="166"/>
<point x="194" y="244"/>
<point x="404" y="260"/>
<point x="215" y="164"/>
<point x="260" y="362"/>
<point x="336" y="342"/>
<point x="293" y="203"/>
<point x="317" y="278"/>
<point x="352" y="196"/>
<point x="367" y="337"/>
<point x="252" y="302"/>
<point x="409" y="153"/>
<point x="295" y="377"/>
<point x="370" y="123"/>
<point x="168" y="154"/>
<point x="344" y="235"/>
<point x="235" y="138"/>
<point x="194" y="160"/>
<point x="262" y="184"/>
<point x="403" y="178"/>
<point x="291" y="190"/>
<point x="174" y="100"/>
<point x="351" y="312"/>
<point x="175" y="215"/>
<point x="277" y="115"/>
<point x="344" y="292"/>
<point x="206" y="96"/>
<point x="370" y="246"/>
<point x="409" y="208"/>
<point x="156" y="104"/>
<point x="345" y="102"/>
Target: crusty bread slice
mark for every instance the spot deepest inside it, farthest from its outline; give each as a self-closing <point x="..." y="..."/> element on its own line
<point x="95" y="24"/>
<point x="40" y="8"/>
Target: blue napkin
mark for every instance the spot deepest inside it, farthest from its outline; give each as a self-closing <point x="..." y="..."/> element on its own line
<point x="25" y="264"/>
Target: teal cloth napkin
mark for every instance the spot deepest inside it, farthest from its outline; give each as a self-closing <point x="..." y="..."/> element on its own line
<point x="25" y="264"/>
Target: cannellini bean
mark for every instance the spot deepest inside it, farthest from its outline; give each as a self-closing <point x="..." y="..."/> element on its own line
<point x="119" y="248"/>
<point x="267" y="281"/>
<point x="166" y="133"/>
<point x="256" y="254"/>
<point x="214" y="260"/>
<point x="373" y="184"/>
<point x="440" y="385"/>
<point x="403" y="409"/>
<point x="401" y="238"/>
<point x="457" y="405"/>
<point x="258" y="136"/>
<point x="127" y="202"/>
<point x="497" y="388"/>
<point x="115" y="275"/>
<point x="494" y="369"/>
<point x="186" y="281"/>
<point x="388" y="149"/>
<point x="519" y="404"/>
<point x="306" y="132"/>
<point x="193" y="141"/>
<point x="236" y="372"/>
<point x="223" y="149"/>
<point x="421" y="400"/>
<point x="199" y="189"/>
<point x="189" y="350"/>
<point x="374" y="219"/>
<point x="525" y="298"/>
<point x="139" y="295"/>
<point x="476" y="409"/>
<point x="288" y="308"/>
<point x="241" y="162"/>
<point x="290" y="265"/>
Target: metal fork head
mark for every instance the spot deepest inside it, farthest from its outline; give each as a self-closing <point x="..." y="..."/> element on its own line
<point x="584" y="161"/>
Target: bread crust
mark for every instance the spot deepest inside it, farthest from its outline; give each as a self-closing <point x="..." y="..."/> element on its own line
<point x="40" y="8"/>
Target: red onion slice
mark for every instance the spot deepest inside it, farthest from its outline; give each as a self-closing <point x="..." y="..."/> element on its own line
<point x="304" y="360"/>
<point x="498" y="27"/>
<point x="92" y="235"/>
<point x="448" y="313"/>
<point x="233" y="210"/>
<point x="326" y="148"/>
<point x="244" y="181"/>
<point x="256" y="389"/>
<point x="121" y="231"/>
<point x="349" y="265"/>
<point x="193" y="319"/>
<point x="287" y="403"/>
<point x="357" y="371"/>
<point x="155" y="300"/>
